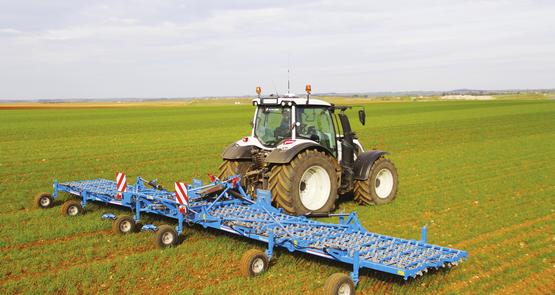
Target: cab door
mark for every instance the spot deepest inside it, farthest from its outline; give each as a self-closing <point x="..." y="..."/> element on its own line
<point x="316" y="124"/>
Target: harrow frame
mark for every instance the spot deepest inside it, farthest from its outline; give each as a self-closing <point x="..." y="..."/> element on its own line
<point x="229" y="208"/>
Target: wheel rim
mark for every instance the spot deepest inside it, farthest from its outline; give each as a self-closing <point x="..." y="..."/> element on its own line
<point x="384" y="183"/>
<point x="72" y="210"/>
<point x="125" y="226"/>
<point x="344" y="289"/>
<point x="314" y="188"/>
<point x="257" y="265"/>
<point x="167" y="238"/>
<point x="44" y="201"/>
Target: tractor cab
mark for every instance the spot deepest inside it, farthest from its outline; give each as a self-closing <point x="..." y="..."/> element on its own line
<point x="290" y="117"/>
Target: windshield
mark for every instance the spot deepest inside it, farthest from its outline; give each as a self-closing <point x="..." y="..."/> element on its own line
<point x="272" y="124"/>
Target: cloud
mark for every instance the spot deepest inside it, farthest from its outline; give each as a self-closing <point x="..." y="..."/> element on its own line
<point x="191" y="48"/>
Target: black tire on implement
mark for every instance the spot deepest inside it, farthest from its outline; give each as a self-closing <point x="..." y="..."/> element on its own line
<point x="364" y="191"/>
<point x="339" y="281"/>
<point x="71" y="208"/>
<point x="165" y="237"/>
<point x="285" y="181"/>
<point x="123" y="225"/>
<point x="253" y="262"/>
<point x="43" y="201"/>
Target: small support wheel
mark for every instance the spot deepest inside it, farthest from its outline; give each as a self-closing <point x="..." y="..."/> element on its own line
<point x="339" y="284"/>
<point x="43" y="201"/>
<point x="72" y="208"/>
<point x="253" y="263"/>
<point x="123" y="225"/>
<point x="165" y="237"/>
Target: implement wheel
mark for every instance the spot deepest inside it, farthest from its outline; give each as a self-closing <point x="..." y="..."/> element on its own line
<point x="253" y="263"/>
<point x="123" y="225"/>
<point x="307" y="184"/>
<point x="339" y="284"/>
<point x="381" y="185"/>
<point x="72" y="208"/>
<point x="165" y="237"/>
<point x="43" y="201"/>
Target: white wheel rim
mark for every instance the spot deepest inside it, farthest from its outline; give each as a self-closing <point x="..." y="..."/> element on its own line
<point x="72" y="210"/>
<point x="314" y="188"/>
<point x="167" y="238"/>
<point x="344" y="289"/>
<point x="384" y="183"/>
<point x="44" y="201"/>
<point x="125" y="226"/>
<point x="257" y="265"/>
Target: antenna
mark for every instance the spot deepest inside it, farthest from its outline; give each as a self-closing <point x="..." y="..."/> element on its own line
<point x="288" y="82"/>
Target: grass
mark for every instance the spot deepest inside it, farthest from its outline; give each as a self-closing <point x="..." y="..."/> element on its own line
<point x="480" y="173"/>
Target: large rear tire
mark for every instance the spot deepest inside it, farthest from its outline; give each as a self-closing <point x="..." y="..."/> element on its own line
<point x="307" y="184"/>
<point x="381" y="185"/>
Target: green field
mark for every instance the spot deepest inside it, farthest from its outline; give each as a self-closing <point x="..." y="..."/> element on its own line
<point x="481" y="174"/>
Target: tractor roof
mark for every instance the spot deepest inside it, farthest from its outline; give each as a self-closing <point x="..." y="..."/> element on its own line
<point x="287" y="99"/>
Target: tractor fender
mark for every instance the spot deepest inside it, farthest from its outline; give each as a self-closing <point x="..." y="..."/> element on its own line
<point x="237" y="152"/>
<point x="284" y="153"/>
<point x="241" y="149"/>
<point x="364" y="162"/>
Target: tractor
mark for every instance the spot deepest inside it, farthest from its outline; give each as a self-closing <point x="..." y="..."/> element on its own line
<point x="304" y="151"/>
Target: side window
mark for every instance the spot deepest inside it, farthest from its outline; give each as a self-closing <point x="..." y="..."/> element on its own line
<point x="317" y="125"/>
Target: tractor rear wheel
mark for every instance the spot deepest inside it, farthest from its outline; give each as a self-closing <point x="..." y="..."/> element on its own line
<point x="381" y="185"/>
<point x="306" y="184"/>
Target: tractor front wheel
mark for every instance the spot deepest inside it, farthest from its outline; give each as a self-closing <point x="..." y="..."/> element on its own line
<point x="381" y="185"/>
<point x="232" y="167"/>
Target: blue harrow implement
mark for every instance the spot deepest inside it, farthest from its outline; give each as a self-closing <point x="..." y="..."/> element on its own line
<point x="223" y="205"/>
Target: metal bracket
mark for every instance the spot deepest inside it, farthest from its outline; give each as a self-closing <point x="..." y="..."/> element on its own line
<point x="108" y="216"/>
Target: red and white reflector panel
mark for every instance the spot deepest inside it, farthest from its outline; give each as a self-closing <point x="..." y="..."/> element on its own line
<point x="121" y="183"/>
<point x="181" y="196"/>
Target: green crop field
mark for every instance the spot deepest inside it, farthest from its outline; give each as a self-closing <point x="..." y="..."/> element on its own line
<point x="480" y="174"/>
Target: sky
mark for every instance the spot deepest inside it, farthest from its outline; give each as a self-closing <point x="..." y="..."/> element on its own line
<point x="170" y="49"/>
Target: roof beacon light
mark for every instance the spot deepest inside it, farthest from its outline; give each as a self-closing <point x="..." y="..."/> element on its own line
<point x="308" y="89"/>
<point x="258" y="90"/>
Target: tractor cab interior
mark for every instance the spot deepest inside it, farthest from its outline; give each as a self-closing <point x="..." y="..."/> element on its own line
<point x="316" y="124"/>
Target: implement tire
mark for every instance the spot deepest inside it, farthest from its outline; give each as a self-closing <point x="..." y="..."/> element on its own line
<point x="381" y="185"/>
<point x="43" y="201"/>
<point x="307" y="184"/>
<point x="254" y="262"/>
<point x="339" y="283"/>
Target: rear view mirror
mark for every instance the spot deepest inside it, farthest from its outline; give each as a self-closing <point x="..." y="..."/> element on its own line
<point x="362" y="117"/>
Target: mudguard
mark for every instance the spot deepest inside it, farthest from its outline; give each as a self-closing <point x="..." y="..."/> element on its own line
<point x="364" y="162"/>
<point x="236" y="152"/>
<point x="284" y="154"/>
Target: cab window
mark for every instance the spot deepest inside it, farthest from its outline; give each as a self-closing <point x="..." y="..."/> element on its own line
<point x="316" y="124"/>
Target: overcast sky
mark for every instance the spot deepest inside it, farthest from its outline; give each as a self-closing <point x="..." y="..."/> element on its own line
<point x="166" y="48"/>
